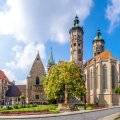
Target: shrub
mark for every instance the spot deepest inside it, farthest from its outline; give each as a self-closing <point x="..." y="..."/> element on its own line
<point x="15" y="106"/>
<point x="89" y="108"/>
<point x="34" y="105"/>
<point x="9" y="108"/>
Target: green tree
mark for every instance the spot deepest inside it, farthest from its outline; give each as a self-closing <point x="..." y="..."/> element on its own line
<point x="66" y="79"/>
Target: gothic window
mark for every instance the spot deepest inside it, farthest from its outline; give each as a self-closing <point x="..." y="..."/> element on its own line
<point x="79" y="44"/>
<point x="96" y="77"/>
<point x="113" y="76"/>
<point x="37" y="96"/>
<point x="37" y="80"/>
<point x="91" y="77"/>
<point x="104" y="76"/>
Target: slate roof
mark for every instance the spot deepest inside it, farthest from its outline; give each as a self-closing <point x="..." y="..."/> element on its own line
<point x="13" y="91"/>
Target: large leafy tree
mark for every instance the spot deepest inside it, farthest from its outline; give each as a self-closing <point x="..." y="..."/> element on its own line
<point x="66" y="79"/>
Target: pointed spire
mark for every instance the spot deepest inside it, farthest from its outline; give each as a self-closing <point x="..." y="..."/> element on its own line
<point x="98" y="33"/>
<point x="51" y="59"/>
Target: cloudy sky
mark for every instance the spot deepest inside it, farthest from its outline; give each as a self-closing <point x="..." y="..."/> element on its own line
<point x="27" y="26"/>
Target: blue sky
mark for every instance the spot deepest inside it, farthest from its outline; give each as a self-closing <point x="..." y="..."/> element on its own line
<point x="27" y="26"/>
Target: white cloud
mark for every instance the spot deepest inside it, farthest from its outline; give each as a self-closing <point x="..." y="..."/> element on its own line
<point x="113" y="14"/>
<point x="9" y="74"/>
<point x="40" y="20"/>
<point x="37" y="21"/>
<point x="24" y="58"/>
<point x="12" y="77"/>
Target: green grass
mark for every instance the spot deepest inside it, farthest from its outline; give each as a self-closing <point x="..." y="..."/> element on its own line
<point x="38" y="108"/>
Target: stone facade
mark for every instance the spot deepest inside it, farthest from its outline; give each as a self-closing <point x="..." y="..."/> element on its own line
<point x="4" y="83"/>
<point x="102" y="75"/>
<point x="102" y="72"/>
<point x="76" y="43"/>
<point x="34" y="89"/>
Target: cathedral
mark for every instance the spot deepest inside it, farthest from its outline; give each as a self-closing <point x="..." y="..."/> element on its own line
<point x="102" y="72"/>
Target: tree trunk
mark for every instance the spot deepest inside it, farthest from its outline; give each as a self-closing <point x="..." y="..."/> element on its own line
<point x="66" y="95"/>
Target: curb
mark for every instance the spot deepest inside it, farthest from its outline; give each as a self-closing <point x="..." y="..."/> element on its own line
<point x="54" y="115"/>
<point x="111" y="117"/>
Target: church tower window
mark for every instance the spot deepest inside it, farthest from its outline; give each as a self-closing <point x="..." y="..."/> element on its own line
<point x="37" y="80"/>
<point x="104" y="76"/>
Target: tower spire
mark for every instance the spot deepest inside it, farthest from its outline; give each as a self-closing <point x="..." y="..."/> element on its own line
<point x="98" y="43"/>
<point x="51" y="60"/>
<point x="76" y="43"/>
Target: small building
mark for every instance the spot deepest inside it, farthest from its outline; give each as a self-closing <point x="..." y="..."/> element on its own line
<point x="13" y="94"/>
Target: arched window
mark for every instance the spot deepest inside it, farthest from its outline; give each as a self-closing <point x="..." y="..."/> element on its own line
<point x="113" y="76"/>
<point x="91" y="77"/>
<point x="37" y="80"/>
<point x="96" y="77"/>
<point x="104" y="76"/>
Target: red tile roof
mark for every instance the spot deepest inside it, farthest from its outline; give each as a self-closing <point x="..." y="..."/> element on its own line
<point x="104" y="55"/>
<point x="3" y="76"/>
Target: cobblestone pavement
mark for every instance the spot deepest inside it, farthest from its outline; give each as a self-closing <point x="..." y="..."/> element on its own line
<point x="94" y="115"/>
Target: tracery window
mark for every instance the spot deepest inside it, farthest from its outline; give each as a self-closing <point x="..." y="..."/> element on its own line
<point x="37" y="80"/>
<point x="104" y="76"/>
<point x="91" y="77"/>
<point x="96" y="77"/>
<point x="113" y="76"/>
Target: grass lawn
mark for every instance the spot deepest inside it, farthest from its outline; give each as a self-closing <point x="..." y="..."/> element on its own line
<point x="38" y="108"/>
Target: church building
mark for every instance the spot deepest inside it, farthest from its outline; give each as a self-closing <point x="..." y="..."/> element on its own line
<point x="102" y="72"/>
<point x="34" y="89"/>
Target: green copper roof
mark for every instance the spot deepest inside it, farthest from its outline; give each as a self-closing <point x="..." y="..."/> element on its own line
<point x="51" y="59"/>
<point x="76" y="22"/>
<point x="98" y="35"/>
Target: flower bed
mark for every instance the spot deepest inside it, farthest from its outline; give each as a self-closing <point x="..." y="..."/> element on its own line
<point x="29" y="110"/>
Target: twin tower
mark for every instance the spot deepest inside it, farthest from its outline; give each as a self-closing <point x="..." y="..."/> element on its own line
<point x="76" y="43"/>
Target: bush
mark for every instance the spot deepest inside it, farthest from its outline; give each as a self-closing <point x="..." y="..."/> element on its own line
<point x="89" y="108"/>
<point x="15" y="106"/>
<point x="34" y="105"/>
<point x="21" y="106"/>
<point x="9" y="108"/>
